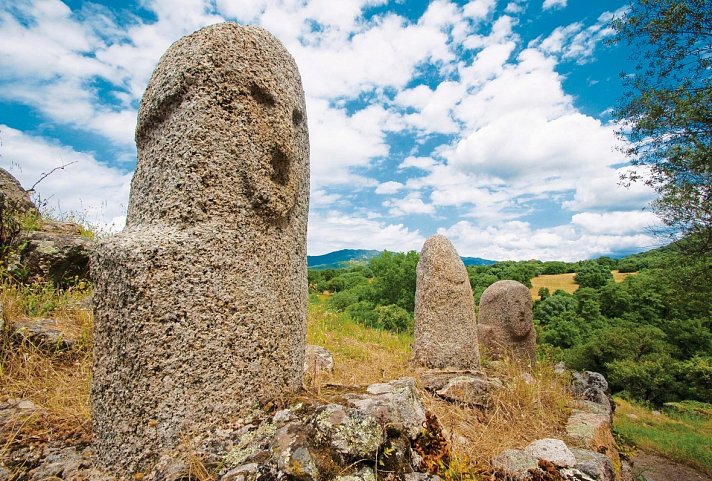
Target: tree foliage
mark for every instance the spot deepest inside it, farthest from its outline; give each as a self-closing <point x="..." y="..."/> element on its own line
<point x="667" y="109"/>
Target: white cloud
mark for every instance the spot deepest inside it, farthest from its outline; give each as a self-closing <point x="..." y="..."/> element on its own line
<point x="604" y="192"/>
<point x="517" y="240"/>
<point x="86" y="189"/>
<point x="548" y="4"/>
<point x="617" y="222"/>
<point x="336" y="230"/>
<point x="423" y="163"/>
<point x="390" y="187"/>
<point x="410" y="204"/>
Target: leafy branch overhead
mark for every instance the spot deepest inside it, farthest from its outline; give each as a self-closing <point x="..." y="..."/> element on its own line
<point x="666" y="112"/>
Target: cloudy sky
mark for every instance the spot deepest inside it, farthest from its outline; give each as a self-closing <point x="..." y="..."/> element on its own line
<point x="487" y="121"/>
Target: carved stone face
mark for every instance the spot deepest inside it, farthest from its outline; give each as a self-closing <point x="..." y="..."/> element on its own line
<point x="272" y="181"/>
<point x="222" y="131"/>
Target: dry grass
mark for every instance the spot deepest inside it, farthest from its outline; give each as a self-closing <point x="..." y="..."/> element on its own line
<point x="58" y="383"/>
<point x="565" y="282"/>
<point x="620" y="276"/>
<point x="524" y="410"/>
<point x="553" y="282"/>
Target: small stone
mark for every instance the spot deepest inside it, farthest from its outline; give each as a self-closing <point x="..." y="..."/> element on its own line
<point x="515" y="463"/>
<point x="554" y="451"/>
<point x="317" y="361"/>
<point x="395" y="404"/>
<point x="45" y="334"/>
<point x="470" y="390"/>
<point x="594" y="464"/>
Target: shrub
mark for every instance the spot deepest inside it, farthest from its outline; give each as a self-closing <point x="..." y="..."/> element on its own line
<point x="592" y="274"/>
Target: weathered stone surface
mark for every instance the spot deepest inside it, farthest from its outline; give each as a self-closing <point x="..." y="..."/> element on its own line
<point x="584" y="426"/>
<point x="465" y="387"/>
<point x="59" y="255"/>
<point x="396" y="404"/>
<point x="16" y="412"/>
<point x="200" y="303"/>
<point x="552" y="450"/>
<point x="349" y="431"/>
<point x="13" y="195"/>
<point x="592" y="386"/>
<point x="594" y="464"/>
<point x="317" y="361"/>
<point x="515" y="464"/>
<point x="445" y="331"/>
<point x="506" y="322"/>
<point x="45" y="334"/>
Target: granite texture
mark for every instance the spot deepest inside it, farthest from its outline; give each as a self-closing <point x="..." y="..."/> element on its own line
<point x="200" y="303"/>
<point x="506" y="322"/>
<point x="445" y="332"/>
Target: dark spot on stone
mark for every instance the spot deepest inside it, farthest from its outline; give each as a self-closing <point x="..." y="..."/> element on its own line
<point x="297" y="117"/>
<point x="280" y="166"/>
<point x="261" y="95"/>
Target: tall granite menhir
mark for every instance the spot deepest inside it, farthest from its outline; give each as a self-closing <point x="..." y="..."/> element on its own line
<point x="506" y="325"/>
<point x="200" y="303"/>
<point x="445" y="331"/>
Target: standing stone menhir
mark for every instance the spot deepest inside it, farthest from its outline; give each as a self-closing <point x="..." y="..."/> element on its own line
<point x="505" y="323"/>
<point x="445" y="332"/>
<point x="200" y="303"/>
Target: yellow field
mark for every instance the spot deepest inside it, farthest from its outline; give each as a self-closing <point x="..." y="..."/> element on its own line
<point x="565" y="282"/>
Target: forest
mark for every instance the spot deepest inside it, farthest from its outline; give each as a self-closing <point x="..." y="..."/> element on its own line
<point x="650" y="335"/>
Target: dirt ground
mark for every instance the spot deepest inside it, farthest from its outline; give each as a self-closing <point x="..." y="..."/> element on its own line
<point x="656" y="468"/>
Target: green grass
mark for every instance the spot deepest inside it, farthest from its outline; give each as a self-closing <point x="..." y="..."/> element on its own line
<point x="681" y="432"/>
<point x="362" y="355"/>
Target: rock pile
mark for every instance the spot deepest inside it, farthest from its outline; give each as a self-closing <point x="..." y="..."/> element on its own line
<point x="506" y="322"/>
<point x="200" y="303"/>
<point x="51" y="251"/>
<point x="445" y="332"/>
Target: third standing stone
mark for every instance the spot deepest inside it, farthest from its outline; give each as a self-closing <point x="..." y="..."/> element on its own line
<point x="200" y="303"/>
<point x="445" y="332"/>
<point x="505" y="324"/>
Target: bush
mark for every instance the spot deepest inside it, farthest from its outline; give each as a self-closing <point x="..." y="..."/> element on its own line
<point x="394" y="318"/>
<point x="592" y="274"/>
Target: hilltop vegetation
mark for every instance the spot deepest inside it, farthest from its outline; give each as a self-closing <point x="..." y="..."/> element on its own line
<point x="650" y="334"/>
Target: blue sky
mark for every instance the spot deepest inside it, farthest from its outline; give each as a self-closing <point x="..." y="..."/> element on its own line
<point x="487" y="121"/>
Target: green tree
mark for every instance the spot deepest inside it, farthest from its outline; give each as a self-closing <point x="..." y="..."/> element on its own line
<point x="666" y="114"/>
<point x="592" y="274"/>
<point x="394" y="279"/>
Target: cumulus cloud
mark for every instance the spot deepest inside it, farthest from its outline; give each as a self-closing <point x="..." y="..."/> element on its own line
<point x="494" y="128"/>
<point x="517" y="240"/>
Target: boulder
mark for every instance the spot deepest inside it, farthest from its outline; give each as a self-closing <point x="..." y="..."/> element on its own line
<point x="348" y="431"/>
<point x="592" y="386"/>
<point x="57" y="255"/>
<point x="45" y="334"/>
<point x="594" y="464"/>
<point x="515" y="464"/>
<point x="12" y="195"/>
<point x="554" y="451"/>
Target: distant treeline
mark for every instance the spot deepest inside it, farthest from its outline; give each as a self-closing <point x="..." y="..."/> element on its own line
<point x="650" y="335"/>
